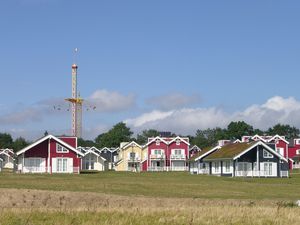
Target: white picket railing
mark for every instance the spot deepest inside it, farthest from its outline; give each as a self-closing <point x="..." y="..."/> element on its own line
<point x="178" y="157"/>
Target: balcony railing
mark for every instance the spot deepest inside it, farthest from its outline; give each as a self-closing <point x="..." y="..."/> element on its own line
<point x="178" y="157"/>
<point x="157" y="156"/>
<point x="259" y="173"/>
<point x="179" y="168"/>
<point x="133" y="159"/>
<point x="158" y="168"/>
<point x="36" y="169"/>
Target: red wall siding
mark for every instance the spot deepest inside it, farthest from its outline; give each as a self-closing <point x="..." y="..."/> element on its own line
<point x="182" y="145"/>
<point x="70" y="140"/>
<point x="40" y="150"/>
<point x="292" y="150"/>
<point x="282" y="144"/>
<point x="144" y="166"/>
<point x="70" y="154"/>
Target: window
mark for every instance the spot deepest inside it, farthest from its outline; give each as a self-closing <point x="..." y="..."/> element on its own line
<point x="227" y="166"/>
<point x="280" y="151"/>
<point x="297" y="141"/>
<point x="158" y="152"/>
<point x="298" y="151"/>
<point x="177" y="151"/>
<point x="217" y="167"/>
<point x="177" y="142"/>
<point x="157" y="142"/>
<point x="62" y="165"/>
<point x="60" y="148"/>
<point x="132" y="155"/>
<point x="267" y="154"/>
<point x="268" y="169"/>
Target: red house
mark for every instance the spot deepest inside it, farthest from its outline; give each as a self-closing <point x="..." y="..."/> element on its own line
<point x="294" y="153"/>
<point x="50" y="154"/>
<point x="167" y="154"/>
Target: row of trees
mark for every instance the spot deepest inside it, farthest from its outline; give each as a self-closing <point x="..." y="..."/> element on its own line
<point x="203" y="138"/>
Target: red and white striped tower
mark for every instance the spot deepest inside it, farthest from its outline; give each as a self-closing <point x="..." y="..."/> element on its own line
<point x="76" y="102"/>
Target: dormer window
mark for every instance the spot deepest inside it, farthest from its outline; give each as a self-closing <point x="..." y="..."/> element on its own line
<point x="61" y="149"/>
<point x="157" y="142"/>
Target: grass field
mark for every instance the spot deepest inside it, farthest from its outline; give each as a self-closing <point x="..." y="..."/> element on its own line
<point x="147" y="198"/>
<point x="160" y="185"/>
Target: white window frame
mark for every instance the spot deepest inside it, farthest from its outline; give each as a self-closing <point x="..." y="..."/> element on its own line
<point x="217" y="167"/>
<point x="157" y="151"/>
<point x="267" y="155"/>
<point x="297" y="141"/>
<point x="63" y="149"/>
<point x="227" y="166"/>
<point x="177" y="142"/>
<point x="63" y="166"/>
<point x="180" y="151"/>
<point x="157" y="142"/>
<point x="298" y="151"/>
<point x="282" y="149"/>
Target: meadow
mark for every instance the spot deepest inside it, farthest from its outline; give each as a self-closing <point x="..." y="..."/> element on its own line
<point x="147" y="198"/>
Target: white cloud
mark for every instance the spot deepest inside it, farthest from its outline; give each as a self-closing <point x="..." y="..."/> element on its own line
<point x="187" y="120"/>
<point x="106" y="101"/>
<point x="173" y="101"/>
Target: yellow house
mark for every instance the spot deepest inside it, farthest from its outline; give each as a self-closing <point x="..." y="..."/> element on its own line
<point x="131" y="157"/>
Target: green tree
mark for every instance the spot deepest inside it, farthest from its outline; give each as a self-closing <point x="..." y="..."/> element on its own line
<point x="235" y="130"/>
<point x="208" y="137"/>
<point x="19" y="144"/>
<point x="284" y="130"/>
<point x="85" y="143"/>
<point x="6" y="140"/>
<point x="119" y="133"/>
<point x="143" y="137"/>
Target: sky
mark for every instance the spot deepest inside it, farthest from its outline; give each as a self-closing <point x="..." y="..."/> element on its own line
<point x="169" y="65"/>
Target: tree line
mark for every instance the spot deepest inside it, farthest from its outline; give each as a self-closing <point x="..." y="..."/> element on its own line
<point x="202" y="138"/>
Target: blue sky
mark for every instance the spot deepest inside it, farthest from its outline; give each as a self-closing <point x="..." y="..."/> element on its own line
<point x="168" y="65"/>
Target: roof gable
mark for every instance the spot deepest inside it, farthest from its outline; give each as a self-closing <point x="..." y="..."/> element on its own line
<point x="179" y="138"/>
<point x="46" y="138"/>
<point x="276" y="137"/>
<point x="133" y="143"/>
<point x="155" y="139"/>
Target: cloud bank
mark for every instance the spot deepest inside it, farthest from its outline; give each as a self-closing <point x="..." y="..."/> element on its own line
<point x="187" y="120"/>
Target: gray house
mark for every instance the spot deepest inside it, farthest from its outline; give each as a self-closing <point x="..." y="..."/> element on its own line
<point x="254" y="159"/>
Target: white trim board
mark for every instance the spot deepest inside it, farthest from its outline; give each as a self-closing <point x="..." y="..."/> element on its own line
<point x="49" y="137"/>
<point x="208" y="152"/>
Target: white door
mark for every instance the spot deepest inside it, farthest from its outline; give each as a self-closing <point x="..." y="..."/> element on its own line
<point x="270" y="169"/>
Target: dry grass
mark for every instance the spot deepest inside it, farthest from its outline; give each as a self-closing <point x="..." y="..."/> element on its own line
<point x="149" y="198"/>
<point x="51" y="207"/>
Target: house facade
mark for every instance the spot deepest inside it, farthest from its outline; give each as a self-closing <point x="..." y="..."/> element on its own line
<point x="196" y="163"/>
<point x="92" y="160"/>
<point x="250" y="159"/>
<point x="294" y="153"/>
<point x="50" y="154"/>
<point x="167" y="154"/>
<point x="7" y="158"/>
<point x="131" y="157"/>
<point x="110" y="155"/>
